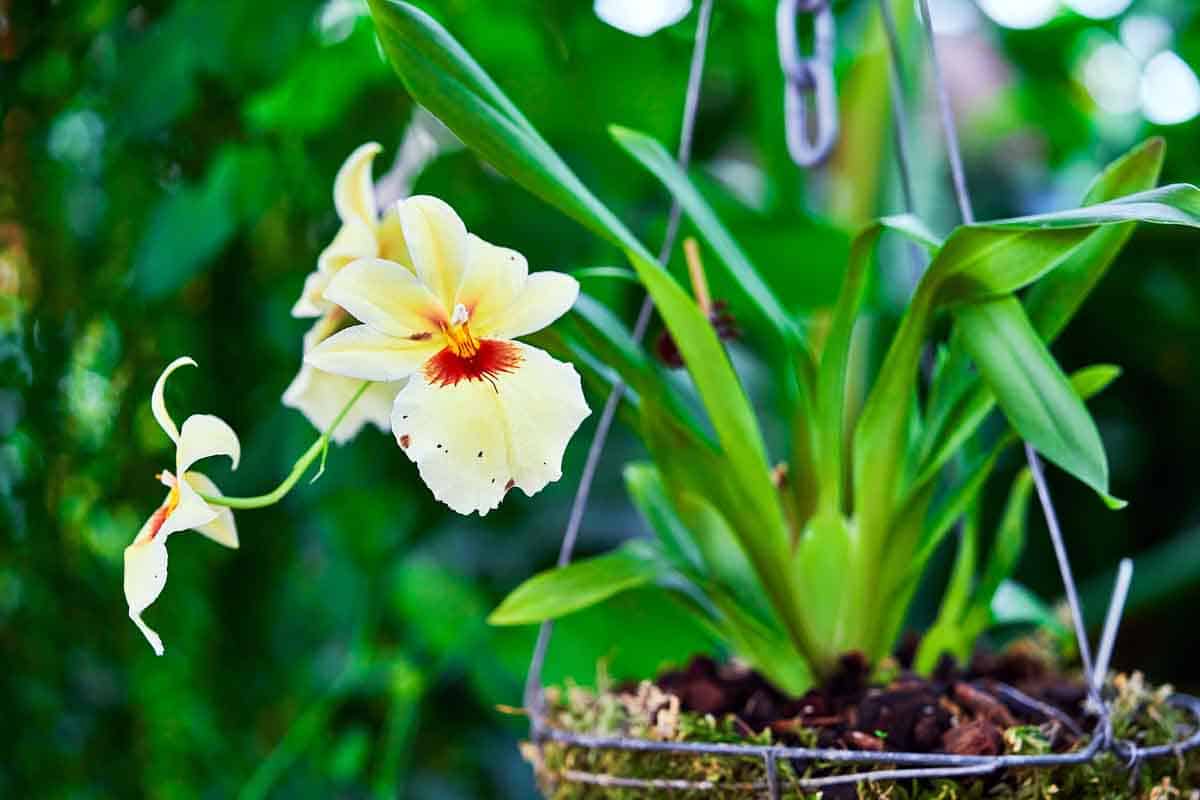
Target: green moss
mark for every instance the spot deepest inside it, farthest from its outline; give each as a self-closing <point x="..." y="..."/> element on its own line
<point x="1140" y="713"/>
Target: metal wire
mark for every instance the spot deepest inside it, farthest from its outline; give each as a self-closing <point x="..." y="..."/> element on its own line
<point x="900" y="765"/>
<point x="1112" y="620"/>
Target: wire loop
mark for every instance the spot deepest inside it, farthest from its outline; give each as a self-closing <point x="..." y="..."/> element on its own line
<point x="811" y="132"/>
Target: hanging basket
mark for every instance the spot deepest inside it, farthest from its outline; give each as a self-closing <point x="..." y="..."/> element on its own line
<point x="684" y="755"/>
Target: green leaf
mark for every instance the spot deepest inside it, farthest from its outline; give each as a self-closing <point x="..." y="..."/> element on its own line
<point x="443" y="77"/>
<point x="562" y="590"/>
<point x="819" y="567"/>
<point x="989" y="259"/>
<point x="645" y="486"/>
<point x="189" y="227"/>
<point x="608" y="338"/>
<point x="1014" y="604"/>
<point x="659" y="163"/>
<point x="1086" y="383"/>
<point x="1009" y="543"/>
<point x="946" y="633"/>
<point x="615" y="273"/>
<point x="960" y="403"/>
<point x="1055" y="299"/>
<point x="1032" y="390"/>
<point x="907" y="553"/>
<point x="835" y="357"/>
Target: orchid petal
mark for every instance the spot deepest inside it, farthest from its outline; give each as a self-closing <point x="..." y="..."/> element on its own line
<point x="642" y="17"/>
<point x="145" y="577"/>
<point x="491" y="284"/>
<point x="312" y="302"/>
<point x="190" y="513"/>
<point x="437" y="241"/>
<point x="390" y="238"/>
<point x="475" y="439"/>
<point x="320" y="396"/>
<point x="159" y="406"/>
<point x="388" y="297"/>
<point x="353" y="191"/>
<point x="545" y="297"/>
<point x="365" y="353"/>
<point x="222" y="529"/>
<point x="354" y="240"/>
<point x="205" y="435"/>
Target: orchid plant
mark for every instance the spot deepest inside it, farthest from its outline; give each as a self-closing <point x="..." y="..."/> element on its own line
<point x="796" y="551"/>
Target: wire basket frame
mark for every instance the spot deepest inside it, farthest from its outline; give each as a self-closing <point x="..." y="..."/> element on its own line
<point x="886" y="766"/>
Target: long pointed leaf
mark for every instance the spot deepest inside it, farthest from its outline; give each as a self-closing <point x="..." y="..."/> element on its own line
<point x="659" y="163"/>
<point x="960" y="402"/>
<point x="563" y="590"/>
<point x="1032" y="390"/>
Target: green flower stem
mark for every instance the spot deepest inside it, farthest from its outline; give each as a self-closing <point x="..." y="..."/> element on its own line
<point x="318" y="448"/>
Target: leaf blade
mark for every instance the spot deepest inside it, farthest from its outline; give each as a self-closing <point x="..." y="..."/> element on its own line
<point x="1032" y="390"/>
<point x="563" y="590"/>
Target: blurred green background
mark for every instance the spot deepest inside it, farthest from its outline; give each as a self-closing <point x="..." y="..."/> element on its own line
<point x="166" y="174"/>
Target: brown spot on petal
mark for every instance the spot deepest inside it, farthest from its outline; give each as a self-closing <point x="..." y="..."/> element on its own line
<point x="511" y="483"/>
<point x="405" y="441"/>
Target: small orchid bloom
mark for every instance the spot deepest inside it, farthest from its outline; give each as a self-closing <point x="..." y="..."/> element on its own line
<point x="480" y="413"/>
<point x="202" y="436"/>
<point x="319" y="395"/>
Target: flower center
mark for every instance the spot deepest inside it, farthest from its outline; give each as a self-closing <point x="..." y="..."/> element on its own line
<point x="458" y="334"/>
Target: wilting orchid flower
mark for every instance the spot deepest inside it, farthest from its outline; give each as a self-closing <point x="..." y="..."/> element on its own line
<point x="480" y="413"/>
<point x="202" y="435"/>
<point x="316" y="394"/>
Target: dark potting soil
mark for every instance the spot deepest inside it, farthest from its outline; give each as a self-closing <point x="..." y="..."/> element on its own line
<point x="956" y="710"/>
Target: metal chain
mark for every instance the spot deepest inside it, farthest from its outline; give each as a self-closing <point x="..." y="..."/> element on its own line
<point x="809" y="141"/>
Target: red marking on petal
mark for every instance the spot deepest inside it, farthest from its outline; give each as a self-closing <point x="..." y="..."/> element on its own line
<point x="404" y="441"/>
<point x="157" y="519"/>
<point x="491" y="360"/>
<point x="511" y="483"/>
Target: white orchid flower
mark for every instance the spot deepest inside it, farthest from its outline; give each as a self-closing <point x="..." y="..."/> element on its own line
<point x="202" y="436"/>
<point x="319" y="395"/>
<point x="480" y="413"/>
<point x="642" y="17"/>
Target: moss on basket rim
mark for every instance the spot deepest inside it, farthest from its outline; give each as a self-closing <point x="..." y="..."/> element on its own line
<point x="1140" y="713"/>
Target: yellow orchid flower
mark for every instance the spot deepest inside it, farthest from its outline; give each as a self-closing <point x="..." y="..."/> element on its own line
<point x="202" y="436"/>
<point x="319" y="395"/>
<point x="480" y="413"/>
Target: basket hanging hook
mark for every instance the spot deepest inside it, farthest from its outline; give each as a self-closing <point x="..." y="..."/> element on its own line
<point x="809" y="139"/>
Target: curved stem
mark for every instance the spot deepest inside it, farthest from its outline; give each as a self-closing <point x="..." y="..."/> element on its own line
<point x="302" y="464"/>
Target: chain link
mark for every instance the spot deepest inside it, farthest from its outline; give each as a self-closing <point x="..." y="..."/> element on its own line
<point x="809" y="140"/>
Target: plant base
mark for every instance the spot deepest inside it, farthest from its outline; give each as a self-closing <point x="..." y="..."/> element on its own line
<point x="976" y="726"/>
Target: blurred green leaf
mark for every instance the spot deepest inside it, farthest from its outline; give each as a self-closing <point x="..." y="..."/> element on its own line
<point x="317" y="91"/>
